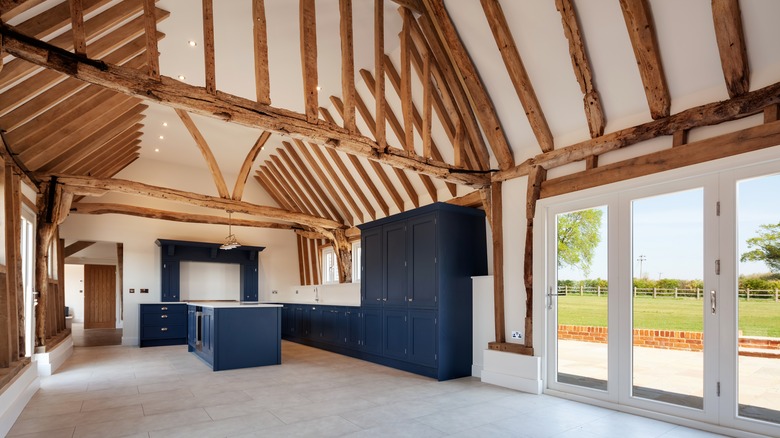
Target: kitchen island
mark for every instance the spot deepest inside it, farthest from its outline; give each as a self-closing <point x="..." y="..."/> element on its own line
<point x="229" y="335"/>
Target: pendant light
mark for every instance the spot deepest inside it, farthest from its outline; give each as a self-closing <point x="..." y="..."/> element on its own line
<point x="230" y="241"/>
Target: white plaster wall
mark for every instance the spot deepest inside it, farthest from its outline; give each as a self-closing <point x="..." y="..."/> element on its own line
<point x="74" y="291"/>
<point x="210" y="281"/>
<point x="514" y="195"/>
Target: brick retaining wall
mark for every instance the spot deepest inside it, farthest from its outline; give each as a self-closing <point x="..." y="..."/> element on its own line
<point x="666" y="339"/>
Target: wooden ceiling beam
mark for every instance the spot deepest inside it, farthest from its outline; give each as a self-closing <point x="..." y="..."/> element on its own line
<point x="347" y="64"/>
<point x="280" y="172"/>
<point x="335" y="177"/>
<point x="517" y="73"/>
<point x="379" y="88"/>
<point x="266" y="185"/>
<point x="205" y="150"/>
<point x="312" y="182"/>
<point x="467" y="73"/>
<point x="114" y="164"/>
<point x="138" y="211"/>
<point x="308" y="28"/>
<point x="307" y="186"/>
<point x="223" y="106"/>
<point x="727" y="17"/>
<point x="30" y="87"/>
<point x="594" y="113"/>
<point x="208" y="47"/>
<point x="75" y="247"/>
<point x="641" y="31"/>
<point x="150" y="28"/>
<point x="427" y="119"/>
<point x="415" y="6"/>
<point x="372" y="127"/>
<point x="85" y="167"/>
<point x="103" y="167"/>
<point x="112" y="124"/>
<point x="378" y="170"/>
<point x="361" y="171"/>
<point x="405" y="94"/>
<point x="77" y="27"/>
<point x="55" y="18"/>
<point x="52" y="96"/>
<point x="425" y="36"/>
<point x="326" y="182"/>
<point x="269" y="172"/>
<point x="246" y="166"/>
<point x="84" y="185"/>
<point x="714" y="113"/>
<point x="260" y="32"/>
<point x="14" y="9"/>
<point x="89" y="153"/>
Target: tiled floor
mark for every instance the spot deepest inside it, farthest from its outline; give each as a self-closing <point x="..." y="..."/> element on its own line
<point x="167" y="392"/>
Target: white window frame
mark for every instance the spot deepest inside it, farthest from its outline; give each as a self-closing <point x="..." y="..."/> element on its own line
<point x="330" y="275"/>
<point x="357" y="263"/>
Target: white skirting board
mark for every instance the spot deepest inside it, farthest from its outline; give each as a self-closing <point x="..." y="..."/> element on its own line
<point x="511" y="370"/>
<point x="16" y="395"/>
<point x="130" y="341"/>
<point x="51" y="360"/>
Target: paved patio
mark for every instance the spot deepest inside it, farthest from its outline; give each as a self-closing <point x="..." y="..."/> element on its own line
<point x="675" y="371"/>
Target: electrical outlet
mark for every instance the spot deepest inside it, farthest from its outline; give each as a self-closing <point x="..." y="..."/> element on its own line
<point x="517" y="335"/>
<point x="132" y="291"/>
<point x="144" y="291"/>
<point x="274" y="292"/>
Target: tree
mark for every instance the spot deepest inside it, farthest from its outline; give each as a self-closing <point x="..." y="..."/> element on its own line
<point x="767" y="247"/>
<point x="579" y="233"/>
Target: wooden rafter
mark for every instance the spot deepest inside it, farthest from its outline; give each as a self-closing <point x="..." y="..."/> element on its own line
<point x="347" y="64"/>
<point x="727" y="18"/>
<point x="151" y="213"/>
<point x="77" y="246"/>
<point x="96" y="141"/>
<point x="406" y="80"/>
<point x="224" y="106"/>
<point x="714" y="113"/>
<point x="579" y="61"/>
<point x="305" y="191"/>
<point x="379" y="88"/>
<point x="514" y="66"/>
<point x="312" y="181"/>
<point x="338" y="180"/>
<point x="308" y="26"/>
<point x="467" y="73"/>
<point x="641" y="31"/>
<point x="272" y="192"/>
<point x="262" y="76"/>
<point x="208" y="46"/>
<point x="129" y="137"/>
<point x="293" y="188"/>
<point x="533" y="191"/>
<point x="205" y="150"/>
<point x="77" y="27"/>
<point x="79" y="185"/>
<point x="427" y="107"/>
<point x="152" y="52"/>
<point x="246" y="166"/>
<point x="285" y="191"/>
<point x="361" y="171"/>
<point x="325" y="181"/>
<point x="54" y="18"/>
<point x="497" y="227"/>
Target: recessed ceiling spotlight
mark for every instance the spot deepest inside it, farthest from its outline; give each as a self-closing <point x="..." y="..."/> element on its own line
<point x="162" y="138"/>
<point x="156" y="150"/>
<point x="192" y="43"/>
<point x="165" y="123"/>
<point x="319" y="88"/>
<point x="182" y="77"/>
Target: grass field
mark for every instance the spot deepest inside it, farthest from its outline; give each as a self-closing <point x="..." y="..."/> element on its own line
<point x="756" y="318"/>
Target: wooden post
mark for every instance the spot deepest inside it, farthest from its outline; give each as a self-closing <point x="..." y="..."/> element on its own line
<point x="49" y="212"/>
<point x="15" y="313"/>
<point x="598" y="290"/>
<point x="776" y="296"/>
<point x="497" y="227"/>
<point x="343" y="250"/>
<point x="120" y="272"/>
<point x="582" y="288"/>
<point x="634" y="291"/>
<point x="675" y="292"/>
<point x="747" y="294"/>
<point x="537" y="175"/>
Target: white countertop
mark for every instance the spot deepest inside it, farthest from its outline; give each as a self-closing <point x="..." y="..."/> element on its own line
<point x="228" y="304"/>
<point x="315" y="303"/>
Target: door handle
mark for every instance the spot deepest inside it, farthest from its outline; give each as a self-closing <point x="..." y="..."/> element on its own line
<point x="713" y="301"/>
<point x="549" y="298"/>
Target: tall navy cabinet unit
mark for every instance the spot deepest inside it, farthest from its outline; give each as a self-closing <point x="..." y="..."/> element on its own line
<point x="416" y="288"/>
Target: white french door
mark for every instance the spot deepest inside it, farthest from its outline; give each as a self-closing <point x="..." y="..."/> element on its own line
<point x="651" y="315"/>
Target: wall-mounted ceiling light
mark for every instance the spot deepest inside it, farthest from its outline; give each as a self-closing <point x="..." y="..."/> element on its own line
<point x="319" y="88"/>
<point x="182" y="77"/>
<point x="192" y="43"/>
<point x="162" y="137"/>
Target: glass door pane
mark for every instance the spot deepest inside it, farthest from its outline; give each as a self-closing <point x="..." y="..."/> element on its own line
<point x="582" y="298"/>
<point x="758" y="312"/>
<point x="667" y="298"/>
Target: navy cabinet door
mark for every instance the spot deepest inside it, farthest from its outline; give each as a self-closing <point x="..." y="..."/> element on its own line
<point x="192" y="326"/>
<point x="330" y="325"/>
<point x="207" y="327"/>
<point x="170" y="281"/>
<point x="396" y="334"/>
<point x="315" y="323"/>
<point x="372" y="330"/>
<point x="249" y="287"/>
<point x="422" y="263"/>
<point x="371" y="278"/>
<point x="395" y="280"/>
<point x="301" y="324"/>
<point x="352" y="327"/>
<point x="286" y="310"/>
<point x="422" y="337"/>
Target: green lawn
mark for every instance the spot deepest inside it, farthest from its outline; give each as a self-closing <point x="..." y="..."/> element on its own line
<point x="756" y="318"/>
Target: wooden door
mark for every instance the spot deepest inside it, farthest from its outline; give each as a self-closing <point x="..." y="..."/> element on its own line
<point x="99" y="296"/>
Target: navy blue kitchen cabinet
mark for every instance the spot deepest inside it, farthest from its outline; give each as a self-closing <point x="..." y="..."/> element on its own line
<point x="372" y="330"/>
<point x="192" y="326"/>
<point x="352" y="327"/>
<point x="330" y="325"/>
<point x="208" y="334"/>
<point x="163" y="324"/>
<point x="170" y="281"/>
<point x="396" y="334"/>
<point x="395" y="284"/>
<point x="372" y="275"/>
<point x="422" y="337"/>
<point x="421" y="232"/>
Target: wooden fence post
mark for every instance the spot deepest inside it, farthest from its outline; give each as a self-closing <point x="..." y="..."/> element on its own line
<point x="598" y="290"/>
<point x="654" y="292"/>
<point x="776" y="296"/>
<point x="582" y="287"/>
<point x="675" y="292"/>
<point x="747" y="293"/>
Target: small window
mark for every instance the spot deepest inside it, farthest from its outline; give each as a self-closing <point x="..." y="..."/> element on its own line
<point x="330" y="270"/>
<point x="356" y="264"/>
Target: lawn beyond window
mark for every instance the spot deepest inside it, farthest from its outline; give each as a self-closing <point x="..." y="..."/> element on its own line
<point x="757" y="317"/>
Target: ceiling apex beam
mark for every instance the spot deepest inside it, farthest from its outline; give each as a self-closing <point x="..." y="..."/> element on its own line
<point x="152" y="51"/>
<point x="308" y="27"/>
<point x="262" y="76"/>
<point x="579" y="61"/>
<point x="641" y="31"/>
<point x="727" y="18"/>
<point x="517" y="73"/>
<point x="208" y="46"/>
<point x="216" y="173"/>
<point x="467" y="72"/>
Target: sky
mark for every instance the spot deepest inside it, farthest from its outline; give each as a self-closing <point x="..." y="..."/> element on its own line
<point x="668" y="231"/>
